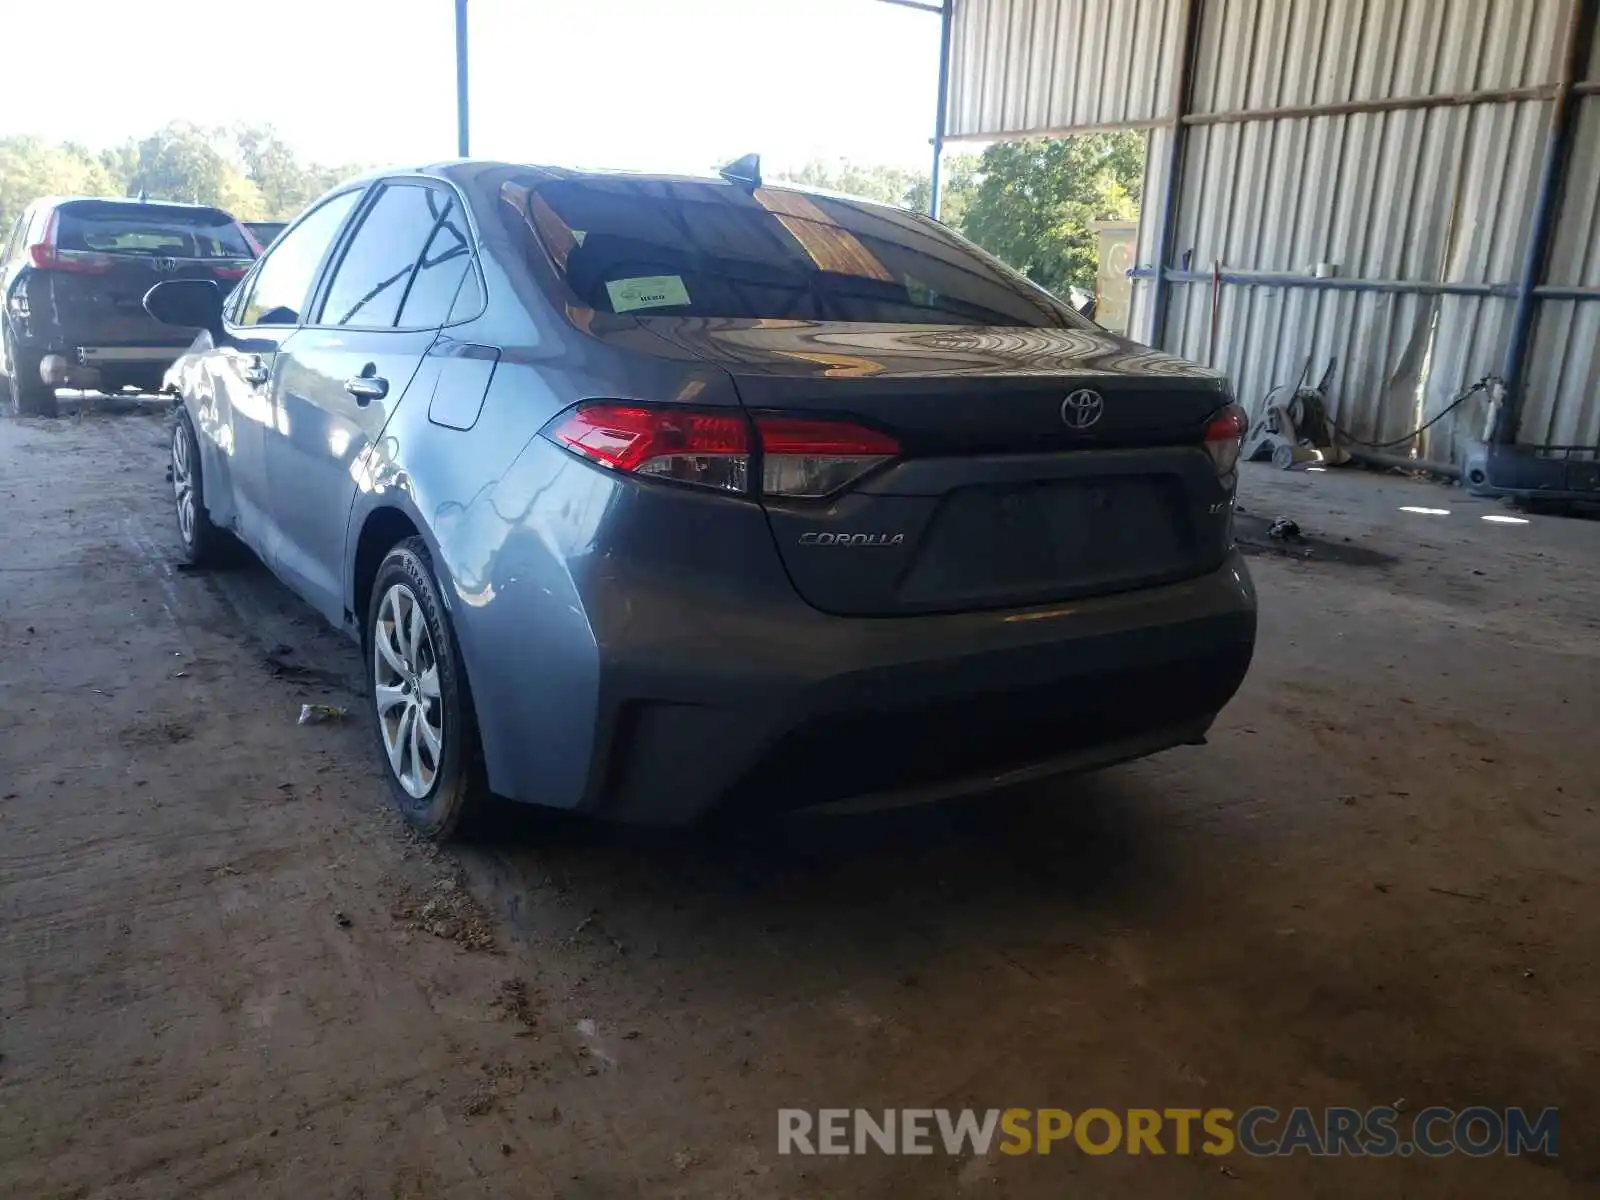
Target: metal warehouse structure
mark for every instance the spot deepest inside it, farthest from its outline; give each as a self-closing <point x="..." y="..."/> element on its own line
<point x="1409" y="186"/>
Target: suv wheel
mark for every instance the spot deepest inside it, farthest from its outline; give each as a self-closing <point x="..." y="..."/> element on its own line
<point x="26" y="393"/>
<point x="422" y="709"/>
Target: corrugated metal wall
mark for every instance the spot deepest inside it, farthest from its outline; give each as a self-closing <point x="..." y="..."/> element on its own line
<point x="1564" y="384"/>
<point x="1431" y="195"/>
<point x="1026" y="65"/>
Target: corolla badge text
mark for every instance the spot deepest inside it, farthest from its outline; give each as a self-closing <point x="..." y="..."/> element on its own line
<point x="852" y="539"/>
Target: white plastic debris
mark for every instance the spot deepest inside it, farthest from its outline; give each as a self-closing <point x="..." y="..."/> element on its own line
<point x="321" y="714"/>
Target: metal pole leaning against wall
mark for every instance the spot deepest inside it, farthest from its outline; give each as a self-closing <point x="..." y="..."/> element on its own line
<point x="1178" y="136"/>
<point x="1581" y="18"/>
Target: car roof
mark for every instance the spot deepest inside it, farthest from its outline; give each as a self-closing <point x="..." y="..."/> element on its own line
<point x="131" y="201"/>
<point x="468" y="172"/>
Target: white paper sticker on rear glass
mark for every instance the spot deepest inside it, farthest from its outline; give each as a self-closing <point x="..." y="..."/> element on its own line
<point x="649" y="291"/>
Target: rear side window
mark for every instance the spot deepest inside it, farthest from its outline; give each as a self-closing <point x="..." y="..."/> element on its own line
<point x="403" y="240"/>
<point x="446" y="261"/>
<point x="469" y="298"/>
<point x="150" y="230"/>
<point x="284" y="277"/>
<point x="686" y="248"/>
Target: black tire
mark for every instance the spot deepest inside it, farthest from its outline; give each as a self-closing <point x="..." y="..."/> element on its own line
<point x="204" y="544"/>
<point x="449" y="806"/>
<point x="25" y="392"/>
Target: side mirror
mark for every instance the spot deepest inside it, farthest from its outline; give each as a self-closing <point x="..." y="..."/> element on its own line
<point x="187" y="303"/>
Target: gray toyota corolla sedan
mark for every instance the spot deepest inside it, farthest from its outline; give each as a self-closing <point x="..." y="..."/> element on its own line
<point x="651" y="495"/>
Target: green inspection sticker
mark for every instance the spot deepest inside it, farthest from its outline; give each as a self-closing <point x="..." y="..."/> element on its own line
<point x="649" y="291"/>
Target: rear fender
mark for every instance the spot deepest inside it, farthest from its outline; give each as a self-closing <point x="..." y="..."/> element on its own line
<point x="489" y="503"/>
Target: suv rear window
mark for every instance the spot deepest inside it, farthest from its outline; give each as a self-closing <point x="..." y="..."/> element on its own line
<point x="154" y="230"/>
<point x="685" y="248"/>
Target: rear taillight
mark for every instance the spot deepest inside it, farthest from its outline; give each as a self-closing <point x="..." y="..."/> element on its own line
<point x="46" y="257"/>
<point x="800" y="459"/>
<point x="809" y="459"/>
<point x="235" y="271"/>
<point x="707" y="449"/>
<point x="1224" y="436"/>
<point x="77" y="262"/>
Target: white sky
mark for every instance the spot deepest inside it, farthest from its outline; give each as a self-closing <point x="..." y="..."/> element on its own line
<point x="650" y="84"/>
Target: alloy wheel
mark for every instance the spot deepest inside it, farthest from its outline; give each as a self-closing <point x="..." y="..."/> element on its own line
<point x="183" y="484"/>
<point x="405" y="676"/>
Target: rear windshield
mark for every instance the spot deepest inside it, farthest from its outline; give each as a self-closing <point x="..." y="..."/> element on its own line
<point x="157" y="230"/>
<point x="692" y="249"/>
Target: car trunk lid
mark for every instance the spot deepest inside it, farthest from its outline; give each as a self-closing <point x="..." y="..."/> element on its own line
<point x="1035" y="465"/>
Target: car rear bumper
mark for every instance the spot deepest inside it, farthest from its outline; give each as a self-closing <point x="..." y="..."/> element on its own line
<point x="719" y="713"/>
<point x="91" y="366"/>
<point x="79" y="350"/>
<point x="160" y="357"/>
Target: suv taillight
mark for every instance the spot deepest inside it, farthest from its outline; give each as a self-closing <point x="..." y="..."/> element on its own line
<point x="1224" y="438"/>
<point x="46" y="257"/>
<point x="78" y="262"/>
<point x="800" y="458"/>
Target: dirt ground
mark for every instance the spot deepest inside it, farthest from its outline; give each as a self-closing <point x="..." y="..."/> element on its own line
<point x="226" y="971"/>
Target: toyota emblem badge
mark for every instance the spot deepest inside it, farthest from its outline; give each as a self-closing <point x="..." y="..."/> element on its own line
<point x="1082" y="408"/>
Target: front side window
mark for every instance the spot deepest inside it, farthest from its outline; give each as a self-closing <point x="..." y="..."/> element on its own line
<point x="678" y="248"/>
<point x="287" y="271"/>
<point x="374" y="277"/>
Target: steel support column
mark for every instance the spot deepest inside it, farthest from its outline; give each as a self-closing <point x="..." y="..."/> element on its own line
<point x="1581" y="17"/>
<point x="1193" y="13"/>
<point x="946" y="22"/>
<point x="463" y="141"/>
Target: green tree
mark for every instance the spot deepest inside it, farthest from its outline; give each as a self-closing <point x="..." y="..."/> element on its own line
<point x="886" y="185"/>
<point x="31" y="167"/>
<point x="285" y="183"/>
<point x="249" y="172"/>
<point x="959" y="179"/>
<point x="894" y="185"/>
<point x="182" y="162"/>
<point x="121" y="164"/>
<point x="1035" y="202"/>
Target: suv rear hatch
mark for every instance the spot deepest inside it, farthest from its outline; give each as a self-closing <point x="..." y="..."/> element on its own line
<point x="1000" y="491"/>
<point x="98" y="258"/>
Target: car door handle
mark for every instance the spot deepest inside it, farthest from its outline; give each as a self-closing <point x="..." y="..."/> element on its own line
<point x="256" y="372"/>
<point x="367" y="388"/>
